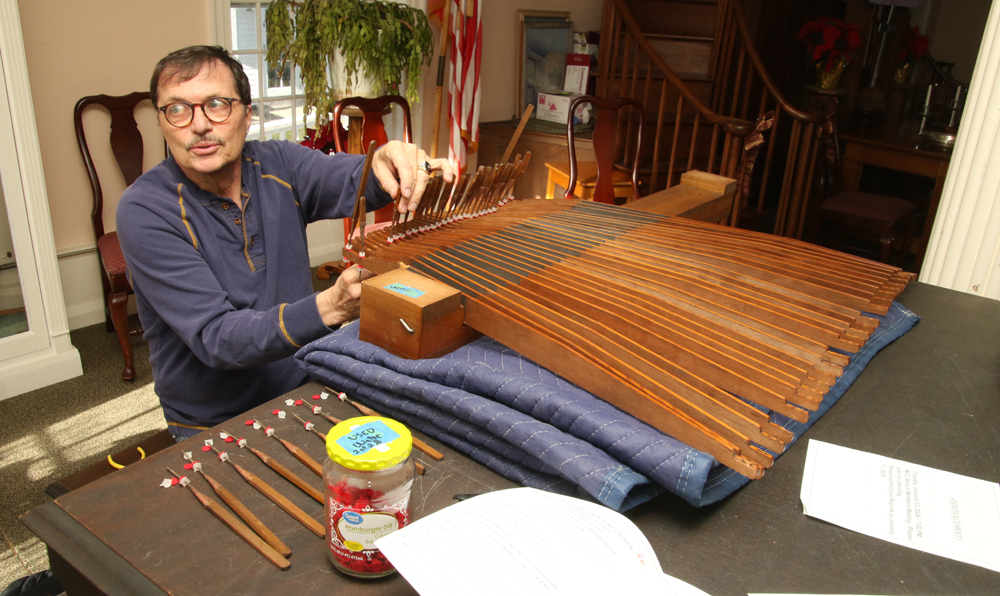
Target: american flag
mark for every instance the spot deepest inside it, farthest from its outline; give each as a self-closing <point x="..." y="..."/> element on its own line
<point x="463" y="85"/>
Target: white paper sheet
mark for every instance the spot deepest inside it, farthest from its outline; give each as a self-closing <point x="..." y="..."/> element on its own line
<point x="930" y="510"/>
<point x="525" y="541"/>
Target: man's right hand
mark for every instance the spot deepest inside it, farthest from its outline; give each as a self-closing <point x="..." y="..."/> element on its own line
<point x="341" y="303"/>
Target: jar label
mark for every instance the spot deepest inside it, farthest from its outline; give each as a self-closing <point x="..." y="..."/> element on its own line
<point x="356" y="518"/>
<point x="359" y="531"/>
<point x="370" y="435"/>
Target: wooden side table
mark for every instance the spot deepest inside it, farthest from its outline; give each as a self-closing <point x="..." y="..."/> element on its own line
<point x="586" y="180"/>
<point x="544" y="147"/>
<point x="898" y="148"/>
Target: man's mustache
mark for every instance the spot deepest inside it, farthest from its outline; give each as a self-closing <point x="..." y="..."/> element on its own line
<point x="205" y="139"/>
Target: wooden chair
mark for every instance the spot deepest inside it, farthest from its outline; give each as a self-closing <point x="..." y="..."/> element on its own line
<point x="604" y="180"/>
<point x="863" y="215"/>
<point x="126" y="144"/>
<point x="356" y="139"/>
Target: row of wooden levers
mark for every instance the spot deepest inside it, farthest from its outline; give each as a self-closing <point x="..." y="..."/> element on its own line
<point x="716" y="336"/>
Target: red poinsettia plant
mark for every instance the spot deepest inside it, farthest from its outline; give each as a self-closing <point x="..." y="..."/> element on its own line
<point x="830" y="41"/>
<point x="914" y="46"/>
<point x="322" y="139"/>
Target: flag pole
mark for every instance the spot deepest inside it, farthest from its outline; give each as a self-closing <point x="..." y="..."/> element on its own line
<point x="442" y="61"/>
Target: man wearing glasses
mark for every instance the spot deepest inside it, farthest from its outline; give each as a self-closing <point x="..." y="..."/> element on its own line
<point x="215" y="242"/>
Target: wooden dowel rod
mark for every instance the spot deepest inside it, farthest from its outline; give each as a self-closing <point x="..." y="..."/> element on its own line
<point x="517" y="133"/>
<point x="278" y="499"/>
<point x="288" y="475"/>
<point x="241" y="530"/>
<point x="246" y="515"/>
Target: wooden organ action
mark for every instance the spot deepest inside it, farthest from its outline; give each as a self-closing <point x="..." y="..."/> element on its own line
<point x="685" y="325"/>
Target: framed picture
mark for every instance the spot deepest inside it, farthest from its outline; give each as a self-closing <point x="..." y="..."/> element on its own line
<point x="544" y="39"/>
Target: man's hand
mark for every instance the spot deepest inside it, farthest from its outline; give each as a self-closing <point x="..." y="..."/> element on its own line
<point x="341" y="302"/>
<point x="398" y="167"/>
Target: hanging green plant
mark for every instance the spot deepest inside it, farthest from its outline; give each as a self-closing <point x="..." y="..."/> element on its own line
<point x="378" y="40"/>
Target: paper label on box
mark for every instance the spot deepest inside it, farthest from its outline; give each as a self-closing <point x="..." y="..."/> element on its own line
<point x="405" y="290"/>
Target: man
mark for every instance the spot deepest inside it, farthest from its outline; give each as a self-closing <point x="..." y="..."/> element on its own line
<point x="214" y="238"/>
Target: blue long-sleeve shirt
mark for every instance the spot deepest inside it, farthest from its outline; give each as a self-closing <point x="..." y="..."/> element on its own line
<point x="225" y="296"/>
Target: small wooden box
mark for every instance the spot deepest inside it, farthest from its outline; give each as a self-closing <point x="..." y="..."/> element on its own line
<point x="412" y="316"/>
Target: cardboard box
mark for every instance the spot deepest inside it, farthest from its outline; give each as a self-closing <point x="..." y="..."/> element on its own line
<point x="577" y="73"/>
<point x="554" y="107"/>
<point x="586" y="48"/>
<point x="586" y="42"/>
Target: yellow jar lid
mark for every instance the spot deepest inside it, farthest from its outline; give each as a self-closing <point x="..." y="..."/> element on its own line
<point x="369" y="443"/>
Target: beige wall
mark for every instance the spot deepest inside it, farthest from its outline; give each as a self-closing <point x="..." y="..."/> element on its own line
<point x="78" y="48"/>
<point x="956" y="30"/>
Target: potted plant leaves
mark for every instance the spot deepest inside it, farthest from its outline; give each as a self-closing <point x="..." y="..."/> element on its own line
<point x="379" y="40"/>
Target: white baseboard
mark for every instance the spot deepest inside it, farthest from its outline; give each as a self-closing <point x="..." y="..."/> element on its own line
<point x="55" y="364"/>
<point x="80" y="272"/>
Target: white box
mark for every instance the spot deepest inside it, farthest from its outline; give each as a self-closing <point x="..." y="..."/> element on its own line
<point x="554" y="107"/>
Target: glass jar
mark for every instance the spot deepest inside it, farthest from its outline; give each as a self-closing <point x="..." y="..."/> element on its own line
<point x="367" y="481"/>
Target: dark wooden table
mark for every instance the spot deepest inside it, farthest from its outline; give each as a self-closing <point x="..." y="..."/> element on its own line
<point x="900" y="148"/>
<point x="494" y="137"/>
<point x="930" y="398"/>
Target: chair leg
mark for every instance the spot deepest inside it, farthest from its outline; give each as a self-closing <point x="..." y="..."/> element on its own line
<point x="109" y="325"/>
<point x="118" y="305"/>
<point x="330" y="269"/>
<point x="904" y="250"/>
<point x="886" y="247"/>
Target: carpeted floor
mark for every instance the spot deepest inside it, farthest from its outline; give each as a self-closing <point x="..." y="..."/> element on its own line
<point x="50" y="433"/>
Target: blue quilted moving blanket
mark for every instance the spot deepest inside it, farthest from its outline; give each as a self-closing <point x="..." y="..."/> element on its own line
<point x="537" y="429"/>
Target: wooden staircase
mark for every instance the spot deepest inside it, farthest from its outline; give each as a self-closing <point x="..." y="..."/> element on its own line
<point x="693" y="65"/>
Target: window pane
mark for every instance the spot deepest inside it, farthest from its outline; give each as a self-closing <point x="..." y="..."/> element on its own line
<point x="249" y="62"/>
<point x="279" y="120"/>
<point x="243" y="20"/>
<point x="263" y="26"/>
<point x="279" y="84"/>
<point x="300" y="88"/>
<point x="300" y="130"/>
<point x="255" y="129"/>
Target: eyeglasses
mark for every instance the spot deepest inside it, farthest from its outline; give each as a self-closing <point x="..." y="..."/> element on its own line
<point x="216" y="109"/>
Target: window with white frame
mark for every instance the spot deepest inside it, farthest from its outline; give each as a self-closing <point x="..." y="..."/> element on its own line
<point x="277" y="105"/>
